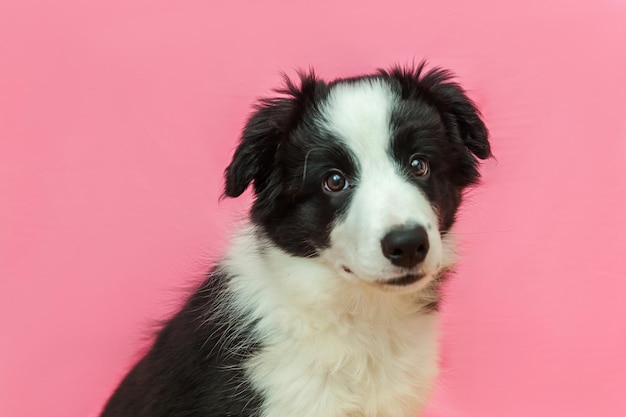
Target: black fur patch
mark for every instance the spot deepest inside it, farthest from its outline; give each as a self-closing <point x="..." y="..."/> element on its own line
<point x="193" y="368"/>
<point x="286" y="155"/>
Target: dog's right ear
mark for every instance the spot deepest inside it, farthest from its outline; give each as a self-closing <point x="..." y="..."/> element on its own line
<point x="255" y="157"/>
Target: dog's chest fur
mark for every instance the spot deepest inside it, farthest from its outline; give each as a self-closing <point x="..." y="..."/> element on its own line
<point x="326" y="349"/>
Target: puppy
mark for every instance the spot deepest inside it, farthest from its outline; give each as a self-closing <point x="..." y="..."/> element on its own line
<point x="325" y="303"/>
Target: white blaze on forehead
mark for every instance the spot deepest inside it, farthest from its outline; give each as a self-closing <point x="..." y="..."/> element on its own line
<point x="359" y="114"/>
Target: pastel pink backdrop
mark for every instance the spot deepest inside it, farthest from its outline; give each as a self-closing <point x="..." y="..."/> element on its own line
<point x="117" y="119"/>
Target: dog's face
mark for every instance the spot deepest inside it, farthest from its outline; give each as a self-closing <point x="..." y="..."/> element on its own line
<point x="365" y="174"/>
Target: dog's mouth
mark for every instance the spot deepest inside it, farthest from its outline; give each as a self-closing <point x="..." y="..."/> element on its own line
<point x="403" y="280"/>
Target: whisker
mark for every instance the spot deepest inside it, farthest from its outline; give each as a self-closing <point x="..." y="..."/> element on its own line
<point x="306" y="161"/>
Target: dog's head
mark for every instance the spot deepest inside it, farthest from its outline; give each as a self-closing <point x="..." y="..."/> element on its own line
<point x="365" y="173"/>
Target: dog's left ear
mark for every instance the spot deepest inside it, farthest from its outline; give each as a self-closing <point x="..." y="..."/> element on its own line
<point x="460" y="112"/>
<point x="472" y="129"/>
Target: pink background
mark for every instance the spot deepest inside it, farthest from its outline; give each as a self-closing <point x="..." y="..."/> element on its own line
<point x="118" y="117"/>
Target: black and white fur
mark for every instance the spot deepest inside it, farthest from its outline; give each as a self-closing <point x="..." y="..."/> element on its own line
<point x="325" y="303"/>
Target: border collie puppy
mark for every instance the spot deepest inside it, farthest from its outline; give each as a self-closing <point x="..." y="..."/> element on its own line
<point x="325" y="303"/>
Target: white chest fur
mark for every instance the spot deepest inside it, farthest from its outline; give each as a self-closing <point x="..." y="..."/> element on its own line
<point x="330" y="348"/>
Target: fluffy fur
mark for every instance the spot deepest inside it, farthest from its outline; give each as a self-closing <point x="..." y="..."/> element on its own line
<point x="325" y="303"/>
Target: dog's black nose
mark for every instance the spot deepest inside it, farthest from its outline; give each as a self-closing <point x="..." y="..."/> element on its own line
<point x="406" y="247"/>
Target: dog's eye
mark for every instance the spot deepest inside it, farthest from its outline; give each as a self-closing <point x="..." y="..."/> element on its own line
<point x="334" y="182"/>
<point x="419" y="166"/>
